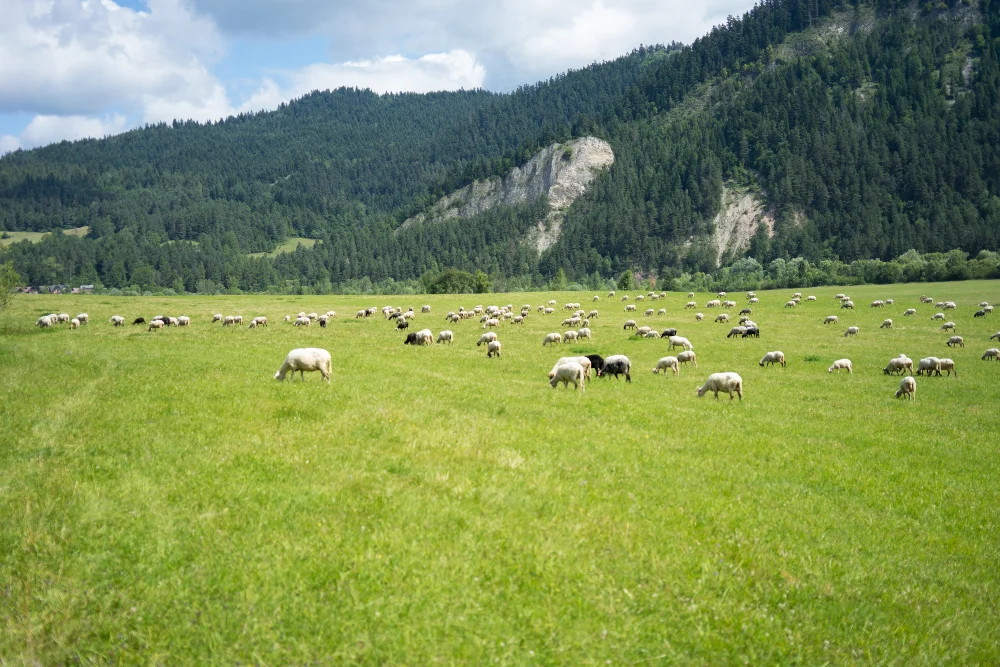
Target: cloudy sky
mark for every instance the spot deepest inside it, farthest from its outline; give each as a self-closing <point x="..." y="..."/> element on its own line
<point x="82" y="68"/>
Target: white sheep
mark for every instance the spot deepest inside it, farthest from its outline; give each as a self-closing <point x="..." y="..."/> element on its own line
<point x="929" y="366"/>
<point x="74" y="323"/>
<point x="909" y="312"/>
<point x="491" y="323"/>
<point x="810" y="298"/>
<point x="117" y="320"/>
<point x="84" y="318"/>
<point x="789" y="304"/>
<point x="886" y="324"/>
<point x="649" y="312"/>
<point x="583" y="361"/>
<point x="570" y="335"/>
<point x="947" y="326"/>
<point x="831" y="319"/>
<point x="584" y="333"/>
<point x="44" y="322"/>
<point x="447" y="336"/>
<point x="486" y="338"/>
<point x="852" y="331"/>
<point x="753" y="300"/>
<point x="992" y="353"/>
<point x="597" y="298"/>
<point x="630" y="308"/>
<point x="185" y="321"/>
<point x="691" y="304"/>
<point x="661" y="311"/>
<point x="642" y="331"/>
<point x="552" y="339"/>
<point x="548" y="311"/>
<point x="947" y="365"/>
<point x="723" y="317"/>
<point x="302" y="322"/>
<point x="728" y="383"/>
<point x="956" y="341"/>
<point x="63" y="317"/>
<point x="688" y="356"/>
<point x="908" y="388"/>
<point x="937" y="316"/>
<point x="330" y="314"/>
<point x="698" y="317"/>
<point x="679" y="341"/>
<point x="592" y="315"/>
<point x="776" y="357"/>
<point x="425" y="337"/>
<point x="288" y="318"/>
<point x="629" y="324"/>
<point x="306" y="359"/>
<point x="425" y="309"/>
<point x="155" y="324"/>
<point x="570" y="371"/>
<point x="900" y="364"/>
<point x="667" y="362"/>
<point x="839" y="364"/>
<point x="493" y="349"/>
<point x="848" y="304"/>
<point x="651" y="334"/>
<point x="949" y="305"/>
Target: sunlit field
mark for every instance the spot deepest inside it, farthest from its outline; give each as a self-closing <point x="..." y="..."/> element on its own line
<point x="164" y="500"/>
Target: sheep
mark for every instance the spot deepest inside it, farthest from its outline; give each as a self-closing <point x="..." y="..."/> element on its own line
<point x="744" y="319"/>
<point x="810" y="298"/>
<point x="988" y="309"/>
<point x="596" y="362"/>
<point x="642" y="331"/>
<point x="311" y="316"/>
<point x="886" y="324"/>
<point x="753" y="300"/>
<point x="74" y="323"/>
<point x="640" y="298"/>
<point x="568" y="372"/>
<point x="736" y="331"/>
<point x="937" y="316"/>
<point x="939" y="304"/>
<point x="948" y="366"/>
<point x="360" y="314"/>
<point x="889" y="302"/>
<point x="117" y="321"/>
<point x="84" y="318"/>
<point x="552" y="339"/>
<point x="947" y="326"/>
<point x="611" y="294"/>
<point x="848" y="304"/>
<point x="839" y="296"/>
<point x="139" y="320"/>
<point x="155" y="324"/>
<point x="789" y="304"/>
<point x="691" y="304"/>
<point x="909" y="312"/>
<point x="625" y="298"/>
<point x="230" y="320"/>
<point x="548" y="311"/>
<point x="252" y="325"/>
<point x="597" y="298"/>
<point x="688" y="356"/>
<point x="751" y="332"/>
<point x="840" y="363"/>
<point x="996" y="335"/>
<point x="585" y="324"/>
<point x="425" y="337"/>
<point x="714" y="303"/>
<point x="629" y="324"/>
<point x="306" y="359"/>
<point x="690" y="295"/>
<point x="486" y="338"/>
<point x="62" y="317"/>
<point x="218" y="318"/>
<point x="746" y="311"/>
<point x="680" y="341"/>
<point x="722" y="317"/>
<point x="238" y="319"/>
<point x="956" y="341"/>
<point x="493" y="349"/>
<point x="288" y="318"/>
<point x="630" y="308"/>
<point x="979" y="313"/>
<point x="592" y="315"/>
<point x="851" y="331"/>
<point x="728" y="304"/>
<point x="926" y="299"/>
<point x="992" y="353"/>
<point x="185" y="321"/>
<point x="174" y="322"/>
<point x="651" y="334"/>
<point x="949" y="305"/>
<point x="898" y="365"/>
<point x="401" y="324"/>
<point x="649" y="312"/>
<point x="331" y="314"/>
<point x="616" y="364"/>
<point x="667" y="362"/>
<point x="425" y="309"/>
<point x="491" y="323"/>
<point x="302" y="322"/>
<point x="877" y="304"/>
<point x="908" y="388"/>
<point x="583" y="361"/>
<point x="983" y="304"/>
<point x="929" y="366"/>
<point x="571" y="322"/>
<point x="698" y="317"/>
<point x="725" y="382"/>
<point x="771" y="358"/>
<point x="667" y="333"/>
<point x="570" y="335"/>
<point x="44" y="322"/>
<point x="518" y="320"/>
<point x="584" y="333"/>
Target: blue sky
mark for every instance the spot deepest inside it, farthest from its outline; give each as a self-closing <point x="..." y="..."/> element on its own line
<point x="76" y="68"/>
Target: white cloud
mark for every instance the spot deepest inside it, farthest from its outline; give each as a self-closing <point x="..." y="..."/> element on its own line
<point x="45" y="129"/>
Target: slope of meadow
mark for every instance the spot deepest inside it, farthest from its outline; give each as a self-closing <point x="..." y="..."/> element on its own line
<point x="163" y="500"/>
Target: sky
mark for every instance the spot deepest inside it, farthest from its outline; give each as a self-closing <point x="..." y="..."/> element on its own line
<point x="71" y="69"/>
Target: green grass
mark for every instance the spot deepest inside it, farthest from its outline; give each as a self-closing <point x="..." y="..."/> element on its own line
<point x="164" y="501"/>
<point x="288" y="246"/>
<point x="35" y="237"/>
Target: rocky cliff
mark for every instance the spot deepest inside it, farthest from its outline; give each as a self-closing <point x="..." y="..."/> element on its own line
<point x="739" y="217"/>
<point x="561" y="171"/>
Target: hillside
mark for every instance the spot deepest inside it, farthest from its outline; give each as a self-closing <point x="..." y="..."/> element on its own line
<point x="819" y="130"/>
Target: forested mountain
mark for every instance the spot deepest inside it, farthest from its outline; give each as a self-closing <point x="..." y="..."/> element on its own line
<point x="868" y="128"/>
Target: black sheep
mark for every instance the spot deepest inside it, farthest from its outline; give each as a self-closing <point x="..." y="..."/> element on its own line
<point x="411" y="339"/>
<point x="402" y="324"/>
<point x="139" y="320"/>
<point x="752" y="332"/>
<point x="668" y="332"/>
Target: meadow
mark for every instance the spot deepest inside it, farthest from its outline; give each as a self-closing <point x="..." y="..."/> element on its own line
<point x="163" y="500"/>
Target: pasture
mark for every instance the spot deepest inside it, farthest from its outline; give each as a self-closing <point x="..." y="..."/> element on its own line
<point x="163" y="500"/>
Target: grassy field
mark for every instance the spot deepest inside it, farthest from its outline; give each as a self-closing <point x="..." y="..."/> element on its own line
<point x="35" y="237"/>
<point x="164" y="501"/>
<point x="288" y="246"/>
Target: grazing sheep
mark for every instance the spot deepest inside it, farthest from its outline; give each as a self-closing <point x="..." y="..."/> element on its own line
<point x="550" y="302"/>
<point x="810" y="298"/>
<point x="640" y="298"/>
<point x="401" y="324"/>
<point x="252" y="325"/>
<point x="45" y="322"/>
<point x="979" y="313"/>
<point x="746" y="311"/>
<point x="568" y="372"/>
<point x="596" y="362"/>
<point x="425" y="337"/>
<point x="736" y="331"/>
<point x="988" y="309"/>
<point x="840" y="363"/>
<point x="174" y="322"/>
<point x="831" y="319"/>
<point x="493" y="349"/>
<point x="992" y="353"/>
<point x="139" y="320"/>
<point x="680" y="341"/>
<point x="691" y="304"/>
<point x="185" y="321"/>
<point x="155" y="324"/>
<point x="889" y="302"/>
<point x="947" y="365"/>
<point x="771" y="358"/>
<point x="937" y="316"/>
<point x="616" y="364"/>
<point x="84" y="318"/>
<point x="62" y="317"/>
<point x="570" y="335"/>
<point x="752" y="331"/>
<point x="425" y="309"/>
<point x="722" y="317"/>
<point x="642" y="331"/>
<point x="611" y="294"/>
<point x="839" y="296"/>
<point x="486" y="338"/>
<point x="306" y="359"/>
<point x="908" y="388"/>
<point x="939" y="304"/>
<point x="625" y="297"/>
<point x="117" y="321"/>
<point x="886" y="324"/>
<point x="899" y="365"/>
<point x="301" y="322"/>
<point x="956" y="341"/>
<point x="667" y="362"/>
<point x="949" y="305"/>
<point x="909" y="312"/>
<point x="651" y="334"/>
<point x="552" y="339"/>
<point x="848" y="304"/>
<point x="753" y="300"/>
<point x="690" y="295"/>
<point x="238" y="319"/>
<point x="947" y="326"/>
<point x="649" y="312"/>
<point x="584" y="333"/>
<point x="929" y="366"/>
<point x="331" y="314"/>
<point x="688" y="356"/>
<point x="548" y="311"/>
<point x="218" y="318"/>
<point x="583" y="361"/>
<point x="877" y="304"/>
<point x="630" y="308"/>
<point x="996" y="335"/>
<point x="360" y="314"/>
<point x="592" y="315"/>
<point x="667" y="333"/>
<point x="288" y="318"/>
<point x="491" y="323"/>
<point x="714" y="303"/>
<point x="789" y="304"/>
<point x="230" y="320"/>
<point x="597" y="298"/>
<point x="519" y="319"/>
<point x="852" y="331"/>
<point x="311" y="316"/>
<point x="729" y="383"/>
<point x="74" y="323"/>
<point x="630" y="324"/>
<point x="698" y="317"/>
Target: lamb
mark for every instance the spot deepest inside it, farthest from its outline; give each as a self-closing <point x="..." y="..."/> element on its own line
<point x="493" y="349"/>
<point x="909" y="312"/>
<point x="568" y="372"/>
<point x="929" y="366"/>
<point x="74" y="323"/>
<point x="117" y="320"/>
<point x="487" y="337"/>
<point x="688" y="356"/>
<point x="898" y="365"/>
<point x="680" y="341"/>
<point x="616" y="364"/>
<point x="948" y="366"/>
<point x="956" y="341"/>
<point x="218" y="318"/>
<point x="584" y="333"/>
<point x="84" y="318"/>
<point x="723" y="317"/>
<point x="908" y="388"/>
<point x="630" y="324"/>
<point x="667" y="362"/>
<point x="570" y="335"/>
<point x="947" y="326"/>
<point x="306" y="359"/>
<point x="155" y="324"/>
<point x="840" y="363"/>
<point x="725" y="382"/>
<point x="851" y="331"/>
<point x="887" y="324"/>
<point x="771" y="358"/>
<point x="992" y="353"/>
<point x="583" y="361"/>
<point x="552" y="339"/>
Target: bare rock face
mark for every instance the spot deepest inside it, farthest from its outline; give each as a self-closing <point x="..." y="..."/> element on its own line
<point x="738" y="219"/>
<point x="562" y="171"/>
